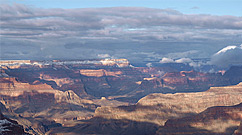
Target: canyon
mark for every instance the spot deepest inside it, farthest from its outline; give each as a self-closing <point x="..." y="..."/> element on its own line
<point x="158" y="108"/>
<point x="219" y="120"/>
<point x="181" y="113"/>
<point x="9" y="126"/>
<point x="112" y="96"/>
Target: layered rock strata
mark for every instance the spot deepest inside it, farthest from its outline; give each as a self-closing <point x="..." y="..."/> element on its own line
<point x="222" y="120"/>
<point x="157" y="108"/>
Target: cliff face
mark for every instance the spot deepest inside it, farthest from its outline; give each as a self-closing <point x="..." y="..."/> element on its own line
<point x="239" y="130"/>
<point x="53" y="96"/>
<point x="215" y="120"/>
<point x="99" y="73"/>
<point x="102" y="126"/>
<point x="11" y="84"/>
<point x="157" y="108"/>
<point x="154" y="110"/>
<point x="37" y="106"/>
<point x="10" y="127"/>
<point x="114" y="79"/>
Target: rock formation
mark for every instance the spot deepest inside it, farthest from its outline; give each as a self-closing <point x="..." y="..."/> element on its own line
<point x="157" y="108"/>
<point x="152" y="111"/>
<point x="101" y="95"/>
<point x="102" y="126"/>
<point x="10" y="127"/>
<point x="221" y="120"/>
<point x="239" y="130"/>
<point x="114" y="78"/>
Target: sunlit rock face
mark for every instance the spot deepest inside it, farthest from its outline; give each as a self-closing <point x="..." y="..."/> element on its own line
<point x="11" y="84"/>
<point x="150" y="114"/>
<point x="223" y="120"/>
<point x="99" y="73"/>
<point x="65" y="96"/>
<point x="111" y="78"/>
<point x="239" y="130"/>
<point x="157" y="108"/>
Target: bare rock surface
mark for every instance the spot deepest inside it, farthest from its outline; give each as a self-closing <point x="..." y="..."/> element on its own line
<point x="220" y="120"/>
<point x="157" y="107"/>
<point x="239" y="130"/>
<point x="10" y="127"/>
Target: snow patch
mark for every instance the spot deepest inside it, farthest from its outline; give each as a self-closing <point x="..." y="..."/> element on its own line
<point x="2" y="123"/>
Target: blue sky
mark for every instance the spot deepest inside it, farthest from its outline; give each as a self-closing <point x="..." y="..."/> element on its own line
<point x="214" y="7"/>
<point x="139" y="30"/>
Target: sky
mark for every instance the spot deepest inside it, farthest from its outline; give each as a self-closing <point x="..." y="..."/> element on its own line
<point x="139" y="30"/>
<point x="215" y="7"/>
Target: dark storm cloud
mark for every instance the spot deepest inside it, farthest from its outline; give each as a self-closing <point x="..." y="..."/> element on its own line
<point x="117" y="32"/>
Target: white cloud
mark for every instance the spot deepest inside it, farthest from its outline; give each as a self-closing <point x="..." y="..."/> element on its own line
<point x="117" y="31"/>
<point x="167" y="60"/>
<point x="188" y="61"/>
<point x="184" y="60"/>
<point x="149" y="64"/>
<point x="228" y="56"/>
<point x="104" y="56"/>
<point x="224" y="50"/>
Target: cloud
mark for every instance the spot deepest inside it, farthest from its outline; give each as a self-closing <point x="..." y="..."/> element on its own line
<point x="167" y="60"/>
<point x="170" y="60"/>
<point x="228" y="56"/>
<point x="186" y="61"/>
<point x="104" y="56"/>
<point x="224" y="50"/>
<point x="223" y="59"/>
<point x="189" y="53"/>
<point x="149" y="64"/>
<point x="118" y="31"/>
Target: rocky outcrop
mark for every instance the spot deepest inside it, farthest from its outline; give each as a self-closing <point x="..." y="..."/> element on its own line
<point x="12" y="64"/>
<point x="34" y="103"/>
<point x="111" y="78"/>
<point x="45" y="96"/>
<point x="99" y="73"/>
<point x="10" y="127"/>
<point x="102" y="126"/>
<point x="11" y="84"/>
<point x="154" y="110"/>
<point x="48" y="104"/>
<point x="32" y="108"/>
<point x="157" y="108"/>
<point x="222" y="120"/>
<point x="39" y="107"/>
<point x="239" y="130"/>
